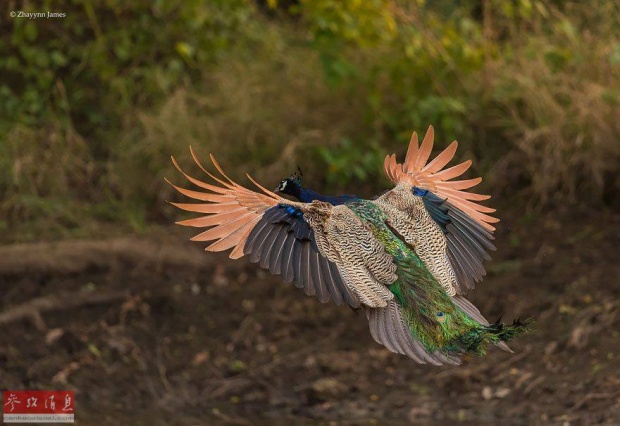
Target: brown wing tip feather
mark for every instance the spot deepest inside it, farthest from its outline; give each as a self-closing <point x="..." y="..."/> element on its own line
<point x="435" y="177"/>
<point x="229" y="211"/>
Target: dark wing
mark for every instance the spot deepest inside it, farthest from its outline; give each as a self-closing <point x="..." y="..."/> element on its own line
<point x="283" y="243"/>
<point x="268" y="228"/>
<point x="468" y="242"/>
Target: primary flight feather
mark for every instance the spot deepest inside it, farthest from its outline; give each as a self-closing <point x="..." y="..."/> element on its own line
<point x="406" y="257"/>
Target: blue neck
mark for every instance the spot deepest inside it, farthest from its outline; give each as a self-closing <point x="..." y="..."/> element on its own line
<point x="306" y="195"/>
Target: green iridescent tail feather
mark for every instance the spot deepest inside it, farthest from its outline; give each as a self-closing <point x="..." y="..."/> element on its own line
<point x="430" y="314"/>
<point x="476" y="341"/>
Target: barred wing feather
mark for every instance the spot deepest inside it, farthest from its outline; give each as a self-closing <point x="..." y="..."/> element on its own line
<point x="466" y="224"/>
<point x="258" y="224"/>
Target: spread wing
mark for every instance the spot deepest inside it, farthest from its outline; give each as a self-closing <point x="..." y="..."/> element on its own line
<point x="268" y="228"/>
<point x="445" y="224"/>
<point x="418" y="172"/>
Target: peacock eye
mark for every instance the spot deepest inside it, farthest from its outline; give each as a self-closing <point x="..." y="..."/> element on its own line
<point x="441" y="317"/>
<point x="282" y="185"/>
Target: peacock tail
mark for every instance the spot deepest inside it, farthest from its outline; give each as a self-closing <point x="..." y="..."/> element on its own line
<point x="428" y="311"/>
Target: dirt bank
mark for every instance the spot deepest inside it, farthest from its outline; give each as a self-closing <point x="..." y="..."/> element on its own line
<point x="157" y="332"/>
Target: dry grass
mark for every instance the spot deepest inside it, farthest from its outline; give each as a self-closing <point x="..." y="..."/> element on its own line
<point x="548" y="88"/>
<point x="47" y="162"/>
<point x="559" y="100"/>
<point x="264" y="117"/>
<point x="48" y="175"/>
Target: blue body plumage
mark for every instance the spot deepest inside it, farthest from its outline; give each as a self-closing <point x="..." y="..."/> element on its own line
<point x="292" y="186"/>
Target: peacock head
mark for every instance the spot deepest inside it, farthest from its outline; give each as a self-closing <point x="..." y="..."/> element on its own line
<point x="292" y="184"/>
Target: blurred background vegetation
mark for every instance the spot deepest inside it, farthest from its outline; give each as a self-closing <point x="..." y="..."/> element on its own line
<point x="92" y="105"/>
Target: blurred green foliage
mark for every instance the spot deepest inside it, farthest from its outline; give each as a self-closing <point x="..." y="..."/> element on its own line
<point x="346" y="161"/>
<point x="93" y="104"/>
<point x="110" y="56"/>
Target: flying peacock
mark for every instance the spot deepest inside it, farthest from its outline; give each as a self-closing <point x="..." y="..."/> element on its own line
<point x="406" y="257"/>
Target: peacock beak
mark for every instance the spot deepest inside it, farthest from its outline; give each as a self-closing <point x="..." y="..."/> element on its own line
<point x="277" y="190"/>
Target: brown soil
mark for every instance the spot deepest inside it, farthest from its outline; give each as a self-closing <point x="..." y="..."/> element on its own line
<point x="155" y="332"/>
